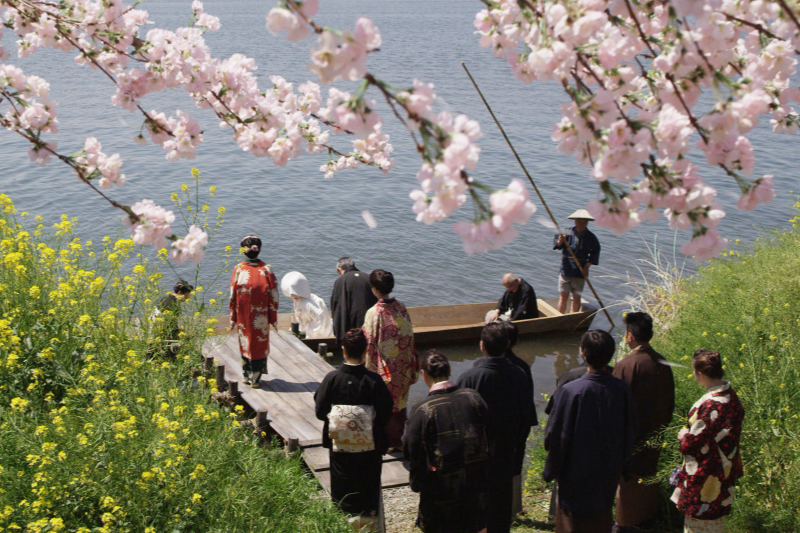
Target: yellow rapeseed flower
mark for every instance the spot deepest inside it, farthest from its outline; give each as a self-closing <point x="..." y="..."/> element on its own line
<point x="19" y="404"/>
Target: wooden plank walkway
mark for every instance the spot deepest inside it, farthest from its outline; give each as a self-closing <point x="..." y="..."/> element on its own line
<point x="294" y="373"/>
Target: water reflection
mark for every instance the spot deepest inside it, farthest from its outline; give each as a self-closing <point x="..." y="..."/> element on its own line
<point x="549" y="356"/>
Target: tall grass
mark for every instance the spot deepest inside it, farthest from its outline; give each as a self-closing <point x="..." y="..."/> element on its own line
<point x="746" y="305"/>
<point x="101" y="431"/>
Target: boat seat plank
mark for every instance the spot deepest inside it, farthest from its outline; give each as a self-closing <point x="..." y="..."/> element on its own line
<point x="545" y="309"/>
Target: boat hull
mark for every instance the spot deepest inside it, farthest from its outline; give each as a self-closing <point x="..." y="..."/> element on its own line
<point x="441" y="324"/>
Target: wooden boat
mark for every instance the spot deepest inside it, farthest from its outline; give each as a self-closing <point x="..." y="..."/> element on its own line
<point x="438" y="324"/>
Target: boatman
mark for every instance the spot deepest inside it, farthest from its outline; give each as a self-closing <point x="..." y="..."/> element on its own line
<point x="587" y="249"/>
<point x="351" y="298"/>
<point x="517" y="303"/>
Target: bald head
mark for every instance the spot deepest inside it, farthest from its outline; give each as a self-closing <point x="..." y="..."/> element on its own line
<point x="510" y="282"/>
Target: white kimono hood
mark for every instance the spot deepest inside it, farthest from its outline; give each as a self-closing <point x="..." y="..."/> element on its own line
<point x="295" y="283"/>
<point x="310" y="311"/>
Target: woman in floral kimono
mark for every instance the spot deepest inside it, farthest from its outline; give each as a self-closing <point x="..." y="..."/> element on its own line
<point x="254" y="306"/>
<point x="390" y="350"/>
<point x="710" y="446"/>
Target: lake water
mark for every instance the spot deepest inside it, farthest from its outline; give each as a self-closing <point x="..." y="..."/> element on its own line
<point x="307" y="222"/>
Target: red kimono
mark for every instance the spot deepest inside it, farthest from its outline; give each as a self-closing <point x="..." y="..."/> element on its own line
<point x="712" y="461"/>
<point x="254" y="306"/>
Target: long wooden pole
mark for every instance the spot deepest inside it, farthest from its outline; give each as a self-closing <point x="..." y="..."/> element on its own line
<point x="541" y="198"/>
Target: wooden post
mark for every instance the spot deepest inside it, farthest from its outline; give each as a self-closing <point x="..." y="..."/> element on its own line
<point x="322" y="349"/>
<point x="233" y="388"/>
<point x="261" y="419"/>
<point x="292" y="445"/>
<point x="220" y="378"/>
<point x="296" y="328"/>
<point x="208" y="364"/>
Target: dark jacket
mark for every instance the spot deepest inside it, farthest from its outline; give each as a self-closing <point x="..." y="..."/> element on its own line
<point x="570" y="375"/>
<point x="589" y="439"/>
<point x="355" y="385"/>
<point x="586" y="248"/>
<point x="504" y="389"/>
<point x="526" y="368"/>
<point x="652" y="387"/>
<point x="350" y="300"/>
<point x="445" y="443"/>
<point x="522" y="303"/>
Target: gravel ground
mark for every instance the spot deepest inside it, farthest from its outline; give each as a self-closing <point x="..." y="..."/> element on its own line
<point x="400" y="508"/>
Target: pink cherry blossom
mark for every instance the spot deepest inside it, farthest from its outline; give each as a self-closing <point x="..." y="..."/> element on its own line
<point x="761" y="191"/>
<point x="705" y="246"/>
<point x="153" y="226"/>
<point x="192" y="246"/>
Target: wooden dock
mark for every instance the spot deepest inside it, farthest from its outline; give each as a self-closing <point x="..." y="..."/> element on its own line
<point x="294" y="373"/>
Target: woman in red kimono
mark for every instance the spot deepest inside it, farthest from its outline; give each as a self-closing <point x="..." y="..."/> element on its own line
<point x="254" y="306"/>
<point x="710" y="446"/>
<point x="390" y="350"/>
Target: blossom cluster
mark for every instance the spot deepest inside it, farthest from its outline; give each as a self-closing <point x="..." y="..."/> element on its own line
<point x="445" y="183"/>
<point x="634" y="73"/>
<point x="93" y="160"/>
<point x="275" y="123"/>
<point x="446" y="143"/>
<point x="350" y="113"/>
<point x="30" y="109"/>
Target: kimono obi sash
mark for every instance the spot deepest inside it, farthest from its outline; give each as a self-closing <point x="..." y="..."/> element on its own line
<point x="350" y="428"/>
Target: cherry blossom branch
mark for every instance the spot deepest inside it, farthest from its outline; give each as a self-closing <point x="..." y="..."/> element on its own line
<point x="79" y="170"/>
<point x="788" y="10"/>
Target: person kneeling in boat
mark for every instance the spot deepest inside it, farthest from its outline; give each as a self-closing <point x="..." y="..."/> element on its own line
<point x="309" y="309"/>
<point x="355" y="406"/>
<point x="517" y="303"/>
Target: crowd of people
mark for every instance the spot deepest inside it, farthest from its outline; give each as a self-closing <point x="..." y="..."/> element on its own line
<point x="466" y="441"/>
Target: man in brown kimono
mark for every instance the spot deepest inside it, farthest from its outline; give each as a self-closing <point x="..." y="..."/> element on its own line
<point x="649" y="377"/>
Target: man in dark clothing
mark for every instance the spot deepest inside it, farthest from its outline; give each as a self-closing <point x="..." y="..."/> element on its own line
<point x="445" y="443"/>
<point x="649" y="378"/>
<point x="351" y="298"/>
<point x="169" y="312"/>
<point x="570" y="375"/>
<point x="355" y="405"/>
<point x="589" y="439"/>
<point x="504" y="388"/>
<point x="513" y="334"/>
<point x="584" y="243"/>
<point x="517" y="303"/>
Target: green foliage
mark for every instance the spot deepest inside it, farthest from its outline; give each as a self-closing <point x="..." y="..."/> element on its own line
<point x="537" y="455"/>
<point x="746" y="305"/>
<point x="102" y="427"/>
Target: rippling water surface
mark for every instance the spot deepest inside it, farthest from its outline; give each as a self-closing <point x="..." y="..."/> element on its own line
<point x="307" y="222"/>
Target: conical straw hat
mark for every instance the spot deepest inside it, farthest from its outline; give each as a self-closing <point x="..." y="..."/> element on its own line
<point x="581" y="213"/>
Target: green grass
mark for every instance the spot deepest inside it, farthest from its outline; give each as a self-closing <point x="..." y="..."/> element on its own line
<point x="746" y="305"/>
<point x="101" y="431"/>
